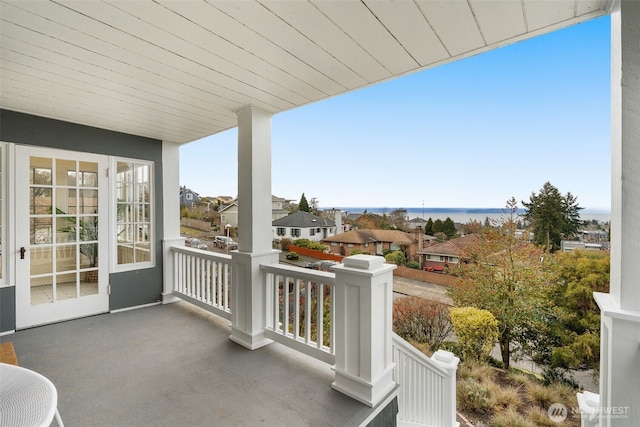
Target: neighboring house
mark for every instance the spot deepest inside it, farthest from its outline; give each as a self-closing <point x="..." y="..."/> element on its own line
<point x="303" y="225"/>
<point x="229" y="214"/>
<point x="277" y="207"/>
<point x="438" y="256"/>
<point x="96" y="102"/>
<point x="416" y="222"/>
<point x="229" y="211"/>
<point x="375" y="242"/>
<point x="188" y="197"/>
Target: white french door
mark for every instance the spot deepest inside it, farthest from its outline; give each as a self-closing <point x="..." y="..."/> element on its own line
<point x="61" y="235"/>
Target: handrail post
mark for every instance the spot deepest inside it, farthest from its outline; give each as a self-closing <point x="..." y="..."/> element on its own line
<point x="449" y="362"/>
<point x="168" y="269"/>
<point x="363" y="317"/>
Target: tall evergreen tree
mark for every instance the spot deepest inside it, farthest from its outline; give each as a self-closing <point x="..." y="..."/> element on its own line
<point x="428" y="227"/>
<point x="303" y="205"/>
<point x="449" y="227"/>
<point x="552" y="216"/>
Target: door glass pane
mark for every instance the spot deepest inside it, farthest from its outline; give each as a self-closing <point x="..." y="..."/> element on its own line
<point x="40" y="201"/>
<point x="41" y="260"/>
<point x="66" y="286"/>
<point x="41" y="231"/>
<point x="88" y="201"/>
<point x="89" y="255"/>
<point x="66" y="259"/>
<point x="65" y="229"/>
<point x="66" y="201"/>
<point x="40" y="171"/>
<point x="41" y="290"/>
<point x="65" y="172"/>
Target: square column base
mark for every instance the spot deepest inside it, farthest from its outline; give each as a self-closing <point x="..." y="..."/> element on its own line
<point x="368" y="392"/>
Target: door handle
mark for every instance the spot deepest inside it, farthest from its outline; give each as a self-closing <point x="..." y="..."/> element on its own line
<point x="22" y="251"/>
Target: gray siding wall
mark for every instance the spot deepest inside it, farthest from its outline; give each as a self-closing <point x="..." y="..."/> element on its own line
<point x="130" y="288"/>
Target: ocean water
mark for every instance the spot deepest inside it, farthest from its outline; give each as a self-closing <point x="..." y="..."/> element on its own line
<point x="463" y="215"/>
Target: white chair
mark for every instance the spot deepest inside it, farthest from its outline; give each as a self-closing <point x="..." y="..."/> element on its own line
<point x="26" y="398"/>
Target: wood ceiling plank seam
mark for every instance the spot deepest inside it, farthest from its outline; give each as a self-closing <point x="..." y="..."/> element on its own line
<point x="97" y="31"/>
<point x="365" y="29"/>
<point x="128" y="71"/>
<point x="453" y="22"/>
<point x="475" y="19"/>
<point x="409" y="26"/>
<point x="196" y="34"/>
<point x="74" y="76"/>
<point x="545" y="14"/>
<point x="200" y="58"/>
<point x="309" y="21"/>
<point x="72" y="93"/>
<point x="276" y="38"/>
<point x="426" y="18"/>
<point x="138" y="83"/>
<point x="255" y="45"/>
<point x="498" y="21"/>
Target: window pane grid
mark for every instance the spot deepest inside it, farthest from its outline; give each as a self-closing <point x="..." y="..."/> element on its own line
<point x="134" y="221"/>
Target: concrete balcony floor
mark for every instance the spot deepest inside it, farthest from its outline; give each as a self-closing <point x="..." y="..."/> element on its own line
<point x="173" y="365"/>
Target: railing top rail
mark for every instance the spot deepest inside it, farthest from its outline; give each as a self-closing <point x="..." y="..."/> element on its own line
<point x="417" y="355"/>
<point x="292" y="271"/>
<point x="201" y="253"/>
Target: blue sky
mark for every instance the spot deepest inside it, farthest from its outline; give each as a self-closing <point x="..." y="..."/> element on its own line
<point x="471" y="133"/>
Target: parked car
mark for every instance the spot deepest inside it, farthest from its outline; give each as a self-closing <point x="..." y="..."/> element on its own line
<point x="225" y="242"/>
<point x="321" y="265"/>
<point x="197" y="243"/>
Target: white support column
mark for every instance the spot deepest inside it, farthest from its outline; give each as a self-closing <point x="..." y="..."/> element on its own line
<point x="363" y="324"/>
<point x="620" y="310"/>
<point x="170" y="215"/>
<point x="248" y="296"/>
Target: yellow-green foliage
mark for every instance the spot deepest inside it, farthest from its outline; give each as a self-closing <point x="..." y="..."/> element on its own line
<point x="477" y="331"/>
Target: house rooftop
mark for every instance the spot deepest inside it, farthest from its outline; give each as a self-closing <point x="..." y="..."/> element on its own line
<point x="361" y="236"/>
<point x="170" y="365"/>
<point x="303" y="220"/>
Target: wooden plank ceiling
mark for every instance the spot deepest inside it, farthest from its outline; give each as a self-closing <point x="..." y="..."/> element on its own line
<point x="177" y="70"/>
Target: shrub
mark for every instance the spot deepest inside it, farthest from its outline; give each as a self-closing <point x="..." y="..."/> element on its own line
<point x="477" y="331"/>
<point x="421" y="320"/>
<point x="510" y="418"/>
<point x="472" y="396"/>
<point x="413" y="264"/>
<point x="303" y="243"/>
<point x="356" y="252"/>
<point x="396" y="258"/>
<point x="284" y="244"/>
<point x="292" y="256"/>
<point x="309" y="244"/>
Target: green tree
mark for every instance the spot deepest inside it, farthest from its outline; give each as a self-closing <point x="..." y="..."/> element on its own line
<point x="438" y="226"/>
<point x="303" y="205"/>
<point x="570" y="338"/>
<point x="552" y="216"/>
<point x="428" y="228"/>
<point x="449" y="227"/>
<point x="507" y="277"/>
<point x="396" y="257"/>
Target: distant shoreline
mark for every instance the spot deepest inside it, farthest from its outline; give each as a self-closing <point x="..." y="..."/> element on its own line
<point x="465" y="214"/>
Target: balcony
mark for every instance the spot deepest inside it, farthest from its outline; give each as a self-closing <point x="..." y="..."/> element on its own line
<point x="174" y="364"/>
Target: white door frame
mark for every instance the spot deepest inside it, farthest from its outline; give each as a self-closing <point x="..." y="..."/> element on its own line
<point x="28" y="315"/>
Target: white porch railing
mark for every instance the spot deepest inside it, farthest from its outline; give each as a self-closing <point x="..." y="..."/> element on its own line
<point x="300" y="309"/>
<point x="203" y="278"/>
<point x="427" y="386"/>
